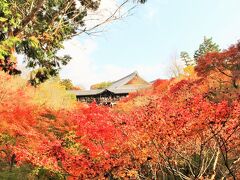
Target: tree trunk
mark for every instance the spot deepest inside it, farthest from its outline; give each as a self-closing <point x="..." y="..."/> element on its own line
<point x="212" y="177"/>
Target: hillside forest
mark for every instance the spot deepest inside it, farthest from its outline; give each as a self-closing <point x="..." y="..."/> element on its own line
<point x="183" y="128"/>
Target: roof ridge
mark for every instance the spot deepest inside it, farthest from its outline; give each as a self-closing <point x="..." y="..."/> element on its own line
<point x="114" y="83"/>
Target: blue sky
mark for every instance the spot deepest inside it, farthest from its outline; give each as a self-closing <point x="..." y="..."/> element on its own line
<point x="148" y="40"/>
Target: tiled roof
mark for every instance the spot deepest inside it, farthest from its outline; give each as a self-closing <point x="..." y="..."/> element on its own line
<point x="128" y="89"/>
<point x="118" y="87"/>
<point x="122" y="81"/>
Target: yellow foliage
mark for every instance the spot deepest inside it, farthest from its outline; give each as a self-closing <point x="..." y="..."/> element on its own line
<point x="49" y="94"/>
<point x="101" y="85"/>
<point x="52" y="94"/>
<point x="189" y="70"/>
<point x="132" y="173"/>
<point x="34" y="40"/>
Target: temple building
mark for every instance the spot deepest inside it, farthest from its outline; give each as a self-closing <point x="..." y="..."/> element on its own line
<point x="117" y="90"/>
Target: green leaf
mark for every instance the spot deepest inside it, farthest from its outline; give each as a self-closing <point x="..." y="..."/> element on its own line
<point x="33" y="41"/>
<point x="2" y="19"/>
<point x="1" y="57"/>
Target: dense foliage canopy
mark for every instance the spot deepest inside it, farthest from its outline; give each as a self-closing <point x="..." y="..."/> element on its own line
<point x="183" y="128"/>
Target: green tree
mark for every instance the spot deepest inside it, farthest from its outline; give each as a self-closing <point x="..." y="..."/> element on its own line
<point x="207" y="46"/>
<point x="67" y="83"/>
<point x="186" y="59"/>
<point x="38" y="28"/>
<point x="101" y="85"/>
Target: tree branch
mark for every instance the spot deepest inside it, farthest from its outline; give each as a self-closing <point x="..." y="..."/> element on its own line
<point x="29" y="17"/>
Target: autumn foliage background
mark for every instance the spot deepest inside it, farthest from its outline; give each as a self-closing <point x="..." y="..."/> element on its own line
<point x="182" y="128"/>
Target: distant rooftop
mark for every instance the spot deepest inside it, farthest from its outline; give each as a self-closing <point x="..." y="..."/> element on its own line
<point x="130" y="83"/>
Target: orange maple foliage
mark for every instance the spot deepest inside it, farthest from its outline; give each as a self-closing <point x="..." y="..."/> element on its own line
<point x="184" y="128"/>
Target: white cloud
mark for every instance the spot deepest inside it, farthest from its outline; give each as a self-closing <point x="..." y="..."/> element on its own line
<point x="82" y="69"/>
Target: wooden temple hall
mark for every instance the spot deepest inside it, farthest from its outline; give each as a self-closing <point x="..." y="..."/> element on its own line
<point x="117" y="90"/>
